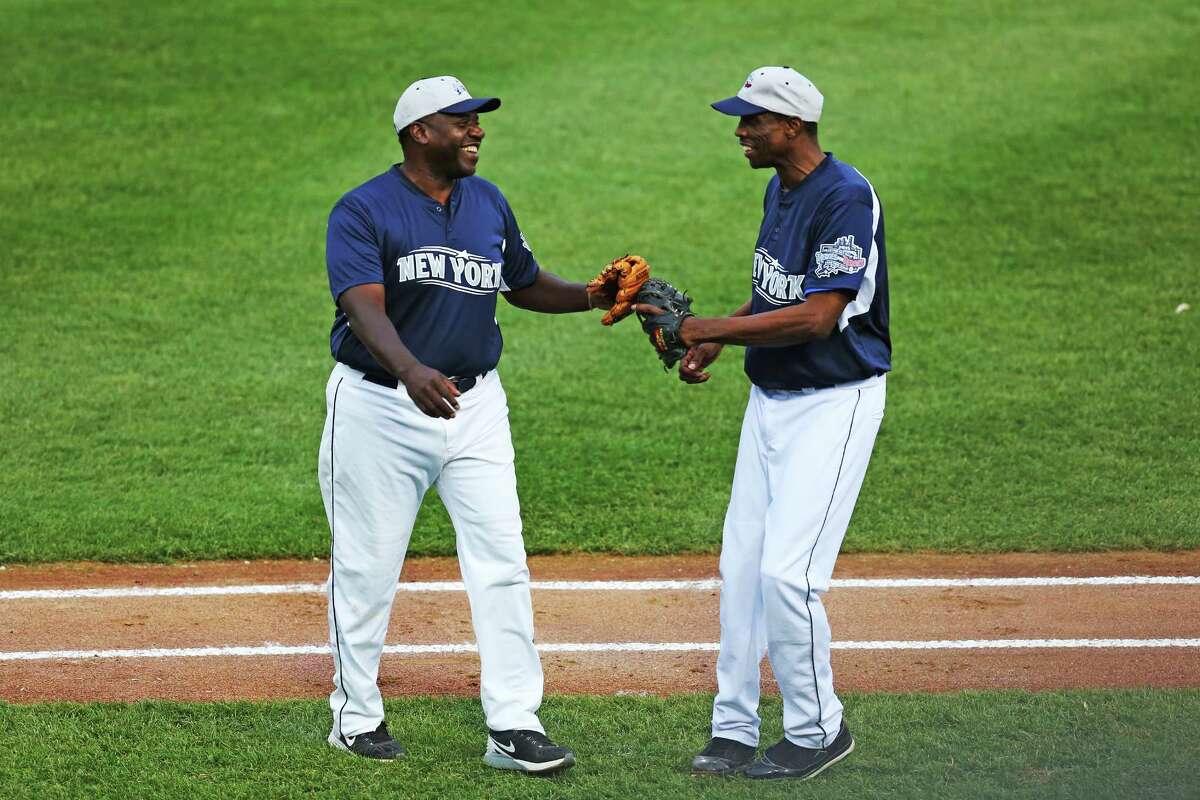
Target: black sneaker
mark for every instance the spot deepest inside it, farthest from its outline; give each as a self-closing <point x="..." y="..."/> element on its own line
<point x="722" y="757"/>
<point x="377" y="744"/>
<point x="786" y="760"/>
<point x="526" y="751"/>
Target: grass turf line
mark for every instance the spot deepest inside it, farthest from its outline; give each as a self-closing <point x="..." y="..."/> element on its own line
<point x="972" y="745"/>
<point x="166" y="171"/>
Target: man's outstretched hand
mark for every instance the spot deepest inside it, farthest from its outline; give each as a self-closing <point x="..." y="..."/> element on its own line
<point x="617" y="285"/>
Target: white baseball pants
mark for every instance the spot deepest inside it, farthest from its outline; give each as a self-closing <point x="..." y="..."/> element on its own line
<point x="801" y="461"/>
<point x="379" y="455"/>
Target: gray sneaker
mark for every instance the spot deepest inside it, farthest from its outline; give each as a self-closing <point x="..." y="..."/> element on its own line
<point x="526" y="751"/>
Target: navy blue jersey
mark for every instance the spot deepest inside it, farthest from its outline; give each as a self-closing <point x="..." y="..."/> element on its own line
<point x="440" y="266"/>
<point x="823" y="235"/>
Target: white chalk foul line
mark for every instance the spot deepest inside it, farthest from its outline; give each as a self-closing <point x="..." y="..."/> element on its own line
<point x="594" y="647"/>
<point x="319" y="588"/>
<point x="705" y="585"/>
<point x="164" y="591"/>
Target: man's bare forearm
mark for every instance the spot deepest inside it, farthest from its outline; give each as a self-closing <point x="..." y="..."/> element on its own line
<point x="379" y="336"/>
<point x="364" y="305"/>
<point x="751" y="330"/>
<point x="813" y="319"/>
<point x="551" y="294"/>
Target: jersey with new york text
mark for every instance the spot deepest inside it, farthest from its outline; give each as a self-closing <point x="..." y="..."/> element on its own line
<point x="825" y="234"/>
<point x="440" y="266"/>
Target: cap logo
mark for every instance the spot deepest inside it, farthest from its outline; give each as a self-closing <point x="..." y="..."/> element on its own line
<point x="747" y="86"/>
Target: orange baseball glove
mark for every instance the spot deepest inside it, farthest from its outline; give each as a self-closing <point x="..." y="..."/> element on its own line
<point x="621" y="279"/>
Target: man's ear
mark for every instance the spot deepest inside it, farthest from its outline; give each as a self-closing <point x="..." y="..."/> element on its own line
<point x="795" y="127"/>
<point x="418" y="133"/>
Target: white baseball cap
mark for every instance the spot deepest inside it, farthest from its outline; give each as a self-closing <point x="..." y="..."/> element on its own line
<point x="445" y="93"/>
<point x="778" y="89"/>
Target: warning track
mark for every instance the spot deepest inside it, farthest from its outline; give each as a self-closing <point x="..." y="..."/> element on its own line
<point x="253" y="630"/>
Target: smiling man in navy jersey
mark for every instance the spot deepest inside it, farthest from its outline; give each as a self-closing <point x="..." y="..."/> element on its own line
<point x="416" y="259"/>
<point x="818" y="348"/>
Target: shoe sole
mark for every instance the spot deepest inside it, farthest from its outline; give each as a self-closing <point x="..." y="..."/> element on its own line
<point x="830" y="762"/>
<point x="337" y="745"/>
<point x="502" y="761"/>
<point x="733" y="772"/>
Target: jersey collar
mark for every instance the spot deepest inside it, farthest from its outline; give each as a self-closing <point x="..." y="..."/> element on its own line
<point x="788" y="196"/>
<point x="452" y="201"/>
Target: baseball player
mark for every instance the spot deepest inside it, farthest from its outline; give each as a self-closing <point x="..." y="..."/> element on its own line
<point x="817" y="350"/>
<point x="416" y="257"/>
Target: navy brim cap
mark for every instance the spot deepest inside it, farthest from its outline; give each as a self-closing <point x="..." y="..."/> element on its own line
<point x="737" y="107"/>
<point x="480" y="104"/>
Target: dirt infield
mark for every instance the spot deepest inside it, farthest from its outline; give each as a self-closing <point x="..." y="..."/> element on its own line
<point x="127" y="638"/>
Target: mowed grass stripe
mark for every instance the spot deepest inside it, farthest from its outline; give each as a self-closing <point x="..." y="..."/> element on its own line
<point x="167" y="170"/>
<point x="966" y="745"/>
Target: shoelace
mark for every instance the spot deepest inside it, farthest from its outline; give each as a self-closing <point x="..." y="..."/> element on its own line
<point x="538" y="738"/>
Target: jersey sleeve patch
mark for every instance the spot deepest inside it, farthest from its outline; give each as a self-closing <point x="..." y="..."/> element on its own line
<point x="841" y="256"/>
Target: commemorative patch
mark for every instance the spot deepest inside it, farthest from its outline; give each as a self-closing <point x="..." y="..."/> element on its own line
<point x="842" y="256"/>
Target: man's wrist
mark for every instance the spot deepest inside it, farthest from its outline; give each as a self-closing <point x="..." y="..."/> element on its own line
<point x="704" y="330"/>
<point x="404" y="371"/>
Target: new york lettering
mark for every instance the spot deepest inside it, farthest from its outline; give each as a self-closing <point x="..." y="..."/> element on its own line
<point x="422" y="266"/>
<point x="774" y="280"/>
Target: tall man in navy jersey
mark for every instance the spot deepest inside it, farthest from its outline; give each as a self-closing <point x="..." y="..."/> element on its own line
<point x="416" y="258"/>
<point x="817" y="349"/>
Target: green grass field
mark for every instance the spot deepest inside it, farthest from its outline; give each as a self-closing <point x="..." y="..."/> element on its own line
<point x="166" y="171"/>
<point x="1084" y="745"/>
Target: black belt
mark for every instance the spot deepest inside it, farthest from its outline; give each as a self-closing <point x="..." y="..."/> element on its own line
<point x="463" y="385"/>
